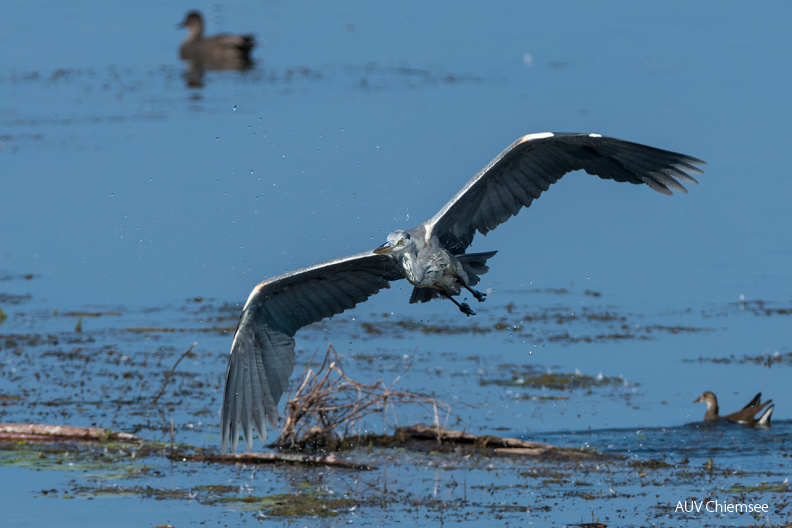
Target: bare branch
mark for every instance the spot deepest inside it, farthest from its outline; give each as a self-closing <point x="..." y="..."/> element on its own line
<point x="170" y="373"/>
<point x="328" y="400"/>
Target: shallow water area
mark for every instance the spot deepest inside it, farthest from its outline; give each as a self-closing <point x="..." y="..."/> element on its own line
<point x="116" y="369"/>
<point x="138" y="211"/>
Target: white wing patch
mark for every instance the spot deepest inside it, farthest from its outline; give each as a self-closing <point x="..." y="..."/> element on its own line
<point x="595" y="135"/>
<point x="252" y="294"/>
<point x="540" y="135"/>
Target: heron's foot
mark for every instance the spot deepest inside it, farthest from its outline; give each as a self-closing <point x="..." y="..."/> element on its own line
<point x="480" y="296"/>
<point x="465" y="309"/>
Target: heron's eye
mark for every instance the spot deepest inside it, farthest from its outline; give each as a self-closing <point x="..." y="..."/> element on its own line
<point x="400" y="242"/>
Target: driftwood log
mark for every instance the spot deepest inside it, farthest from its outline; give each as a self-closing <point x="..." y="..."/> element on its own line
<point x="426" y="437"/>
<point x="274" y="458"/>
<point x="58" y="433"/>
<point x="411" y="438"/>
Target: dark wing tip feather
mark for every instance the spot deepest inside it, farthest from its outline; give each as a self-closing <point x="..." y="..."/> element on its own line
<point x="658" y="186"/>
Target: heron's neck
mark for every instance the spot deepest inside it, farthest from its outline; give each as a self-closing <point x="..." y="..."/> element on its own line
<point x="409" y="262"/>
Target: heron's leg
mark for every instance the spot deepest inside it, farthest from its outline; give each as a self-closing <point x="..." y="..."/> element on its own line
<point x="480" y="296"/>
<point x="463" y="307"/>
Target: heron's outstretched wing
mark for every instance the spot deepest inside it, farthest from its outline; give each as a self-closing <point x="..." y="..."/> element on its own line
<point x="532" y="163"/>
<point x="262" y="354"/>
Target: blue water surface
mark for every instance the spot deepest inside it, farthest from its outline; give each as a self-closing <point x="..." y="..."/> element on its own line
<point x="121" y="186"/>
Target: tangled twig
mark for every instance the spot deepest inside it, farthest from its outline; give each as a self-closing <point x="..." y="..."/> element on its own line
<point x="328" y="400"/>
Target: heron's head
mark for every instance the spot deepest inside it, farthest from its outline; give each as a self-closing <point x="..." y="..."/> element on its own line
<point x="397" y="243"/>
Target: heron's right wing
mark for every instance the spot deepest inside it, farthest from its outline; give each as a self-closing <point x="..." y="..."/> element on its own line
<point x="262" y="354"/>
<point x="531" y="164"/>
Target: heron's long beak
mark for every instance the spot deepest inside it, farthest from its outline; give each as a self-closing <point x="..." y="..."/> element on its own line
<point x="384" y="248"/>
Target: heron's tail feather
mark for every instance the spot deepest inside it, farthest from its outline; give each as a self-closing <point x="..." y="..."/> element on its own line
<point x="475" y="264"/>
<point x="423" y="295"/>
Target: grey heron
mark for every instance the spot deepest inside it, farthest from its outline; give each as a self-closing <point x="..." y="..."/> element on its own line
<point x="430" y="256"/>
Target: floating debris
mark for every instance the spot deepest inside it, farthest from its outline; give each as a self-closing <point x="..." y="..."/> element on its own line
<point x="57" y="433"/>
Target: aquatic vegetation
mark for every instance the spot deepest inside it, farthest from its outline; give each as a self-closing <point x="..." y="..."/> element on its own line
<point x="763" y="308"/>
<point x="782" y="487"/>
<point x="305" y="503"/>
<point x="111" y="462"/>
<point x="766" y="359"/>
<point x="530" y="377"/>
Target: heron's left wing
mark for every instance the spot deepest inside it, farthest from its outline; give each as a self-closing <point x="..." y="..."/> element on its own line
<point x="531" y="164"/>
<point x="262" y="354"/>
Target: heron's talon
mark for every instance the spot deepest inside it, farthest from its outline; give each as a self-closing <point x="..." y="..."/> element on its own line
<point x="465" y="309"/>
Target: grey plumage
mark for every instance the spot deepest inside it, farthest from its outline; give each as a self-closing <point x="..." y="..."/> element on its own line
<point x="430" y="256"/>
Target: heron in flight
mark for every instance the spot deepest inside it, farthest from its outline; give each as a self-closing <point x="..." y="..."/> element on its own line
<point x="430" y="256"/>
